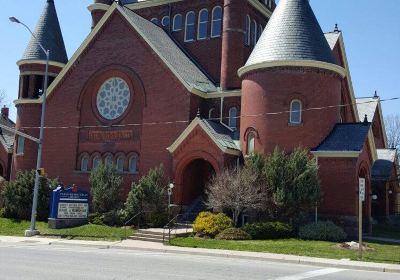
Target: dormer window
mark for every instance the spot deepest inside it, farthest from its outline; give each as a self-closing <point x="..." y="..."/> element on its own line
<point x="295" y="112"/>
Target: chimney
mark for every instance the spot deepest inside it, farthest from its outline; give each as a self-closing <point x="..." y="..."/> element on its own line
<point x="4" y="112"/>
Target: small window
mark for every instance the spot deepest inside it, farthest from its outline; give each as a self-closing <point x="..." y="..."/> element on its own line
<point x="295" y="112"/>
<point x="165" y="22"/>
<point x="247" y="31"/>
<point x="85" y="164"/>
<point x="120" y="164"/>
<point x="254" y="33"/>
<point x="211" y="114"/>
<point x="154" y="20"/>
<point x="96" y="161"/>
<point x="109" y="160"/>
<point x="233" y="117"/>
<point x="202" y="32"/>
<point x="20" y="145"/>
<point x="177" y="23"/>
<point x="250" y="143"/>
<point x="216" y="24"/>
<point x="189" y="27"/>
<point x="133" y="165"/>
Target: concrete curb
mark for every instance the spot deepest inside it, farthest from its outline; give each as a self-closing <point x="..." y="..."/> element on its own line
<point x="150" y="247"/>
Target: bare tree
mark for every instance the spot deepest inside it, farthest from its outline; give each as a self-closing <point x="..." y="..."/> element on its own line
<point x="237" y="190"/>
<point x="392" y="124"/>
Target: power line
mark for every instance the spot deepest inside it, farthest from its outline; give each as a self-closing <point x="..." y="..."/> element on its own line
<point x="237" y="117"/>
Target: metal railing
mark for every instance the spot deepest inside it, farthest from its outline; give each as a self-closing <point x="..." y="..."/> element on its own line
<point x="130" y="220"/>
<point x="174" y="223"/>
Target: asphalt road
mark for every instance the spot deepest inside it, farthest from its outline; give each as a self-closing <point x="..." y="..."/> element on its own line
<point x="30" y="261"/>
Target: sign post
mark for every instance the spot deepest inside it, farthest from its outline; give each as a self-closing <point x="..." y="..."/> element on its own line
<point x="361" y="198"/>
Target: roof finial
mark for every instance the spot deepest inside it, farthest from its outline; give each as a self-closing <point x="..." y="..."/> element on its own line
<point x="366" y="119"/>
<point x="336" y="28"/>
<point x="376" y="96"/>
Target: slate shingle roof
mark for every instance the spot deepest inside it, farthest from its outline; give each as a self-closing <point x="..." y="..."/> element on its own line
<point x="7" y="138"/>
<point x="225" y="137"/>
<point x="170" y="53"/>
<point x="367" y="106"/>
<point x="345" y="137"/>
<point x="48" y="33"/>
<point x="384" y="165"/>
<point x="293" y="33"/>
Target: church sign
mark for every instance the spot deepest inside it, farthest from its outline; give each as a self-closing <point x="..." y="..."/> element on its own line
<point x="69" y="207"/>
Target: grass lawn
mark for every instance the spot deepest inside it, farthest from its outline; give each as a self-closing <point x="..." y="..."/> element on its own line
<point x="12" y="227"/>
<point x="386" y="231"/>
<point x="382" y="253"/>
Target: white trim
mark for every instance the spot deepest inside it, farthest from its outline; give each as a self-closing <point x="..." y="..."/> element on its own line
<point x="197" y="122"/>
<point x="372" y="146"/>
<point x="212" y="22"/>
<point x="337" y="154"/>
<point x="382" y="121"/>
<point x="186" y="25"/>
<point x="291" y="111"/>
<point x="38" y="61"/>
<point x="98" y="6"/>
<point x="210" y="112"/>
<point x="155" y="20"/>
<point x="173" y="23"/>
<point x="294" y="63"/>
<point x="254" y="31"/>
<point x="200" y="23"/>
<point x="261" y="8"/>
<point x="152" y="3"/>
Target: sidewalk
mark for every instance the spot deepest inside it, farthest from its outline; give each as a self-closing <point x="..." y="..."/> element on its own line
<point x="158" y="247"/>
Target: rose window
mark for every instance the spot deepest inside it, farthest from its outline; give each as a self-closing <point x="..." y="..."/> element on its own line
<point x="113" y="98"/>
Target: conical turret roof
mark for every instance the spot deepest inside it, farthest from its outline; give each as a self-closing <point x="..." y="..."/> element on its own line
<point x="292" y="36"/>
<point x="48" y="33"/>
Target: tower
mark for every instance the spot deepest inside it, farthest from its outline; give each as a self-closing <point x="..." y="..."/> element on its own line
<point x="32" y="71"/>
<point x="292" y="68"/>
<point x="98" y="9"/>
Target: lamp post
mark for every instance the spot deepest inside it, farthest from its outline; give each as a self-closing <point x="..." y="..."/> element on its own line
<point x="32" y="230"/>
<point x="170" y="187"/>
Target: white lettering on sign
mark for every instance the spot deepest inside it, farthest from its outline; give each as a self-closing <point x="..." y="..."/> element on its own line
<point x="361" y="188"/>
<point x="72" y="210"/>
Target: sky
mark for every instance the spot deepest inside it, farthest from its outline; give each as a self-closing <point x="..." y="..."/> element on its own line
<point x="371" y="32"/>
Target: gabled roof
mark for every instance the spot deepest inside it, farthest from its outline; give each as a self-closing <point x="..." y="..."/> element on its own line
<point x="332" y="38"/>
<point x="48" y="33"/>
<point x="345" y="137"/>
<point x="223" y="137"/>
<point x="293" y="35"/>
<point x="7" y="138"/>
<point x="383" y="166"/>
<point x="367" y="106"/>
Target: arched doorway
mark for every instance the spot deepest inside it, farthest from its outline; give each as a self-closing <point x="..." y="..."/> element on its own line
<point x="195" y="177"/>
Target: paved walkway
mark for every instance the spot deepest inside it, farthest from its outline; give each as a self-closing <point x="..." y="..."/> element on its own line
<point x="158" y="247"/>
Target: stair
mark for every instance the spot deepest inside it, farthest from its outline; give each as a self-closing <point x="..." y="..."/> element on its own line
<point x="156" y="234"/>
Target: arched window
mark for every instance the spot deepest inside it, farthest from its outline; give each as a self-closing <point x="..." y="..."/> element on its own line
<point x="202" y="31"/>
<point x="177" y="23"/>
<point x="295" y="111"/>
<point x="211" y="114"/>
<point x="132" y="164"/>
<point x="96" y="162"/>
<point x="254" y="33"/>
<point x="85" y="164"/>
<point x="120" y="164"/>
<point x="216" y="23"/>
<point x="108" y="160"/>
<point x="20" y="145"/>
<point x="251" y="139"/>
<point x="154" y="20"/>
<point x="233" y="117"/>
<point x="165" y="21"/>
<point x="189" y="27"/>
<point x="247" y="31"/>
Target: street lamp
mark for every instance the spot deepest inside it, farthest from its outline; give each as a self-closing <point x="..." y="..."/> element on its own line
<point x="32" y="231"/>
<point x="170" y="187"/>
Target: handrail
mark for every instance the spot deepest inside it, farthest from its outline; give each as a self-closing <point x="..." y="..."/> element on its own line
<point x="173" y="221"/>
<point x="130" y="220"/>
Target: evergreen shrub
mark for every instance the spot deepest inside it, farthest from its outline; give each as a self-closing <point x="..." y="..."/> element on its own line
<point x="271" y="230"/>
<point x="324" y="231"/>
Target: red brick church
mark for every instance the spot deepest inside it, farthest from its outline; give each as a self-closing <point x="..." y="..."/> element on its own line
<point x="197" y="86"/>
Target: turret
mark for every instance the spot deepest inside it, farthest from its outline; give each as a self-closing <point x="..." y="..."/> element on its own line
<point x="32" y="71"/>
<point x="98" y="9"/>
<point x="291" y="68"/>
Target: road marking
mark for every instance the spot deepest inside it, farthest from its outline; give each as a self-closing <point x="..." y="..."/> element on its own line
<point x="311" y="274"/>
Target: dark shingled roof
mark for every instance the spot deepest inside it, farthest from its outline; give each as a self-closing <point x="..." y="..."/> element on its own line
<point x="6" y="137"/>
<point x="384" y="165"/>
<point x="293" y="33"/>
<point x="222" y="134"/>
<point x="48" y="33"/>
<point x="345" y="137"/>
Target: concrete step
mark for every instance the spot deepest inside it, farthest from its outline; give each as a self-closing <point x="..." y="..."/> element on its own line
<point x="158" y="232"/>
<point x="149" y="235"/>
<point x="148" y="239"/>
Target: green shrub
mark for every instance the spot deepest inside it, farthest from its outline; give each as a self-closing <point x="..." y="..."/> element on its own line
<point x="17" y="196"/>
<point x="211" y="224"/>
<point x="271" y="230"/>
<point x="105" y="188"/>
<point x="2" y="212"/>
<point x="95" y="218"/>
<point x="324" y="231"/>
<point x="233" y="234"/>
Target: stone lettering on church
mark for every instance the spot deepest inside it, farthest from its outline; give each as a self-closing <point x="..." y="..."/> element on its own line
<point x="108" y="135"/>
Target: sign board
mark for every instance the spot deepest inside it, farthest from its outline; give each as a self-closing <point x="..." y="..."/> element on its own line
<point x="69" y="203"/>
<point x="361" y="189"/>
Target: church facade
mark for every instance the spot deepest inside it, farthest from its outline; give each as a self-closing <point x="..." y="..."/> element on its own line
<point x="197" y="86"/>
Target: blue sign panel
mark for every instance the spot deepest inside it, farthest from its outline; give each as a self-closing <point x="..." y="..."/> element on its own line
<point x="69" y="203"/>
